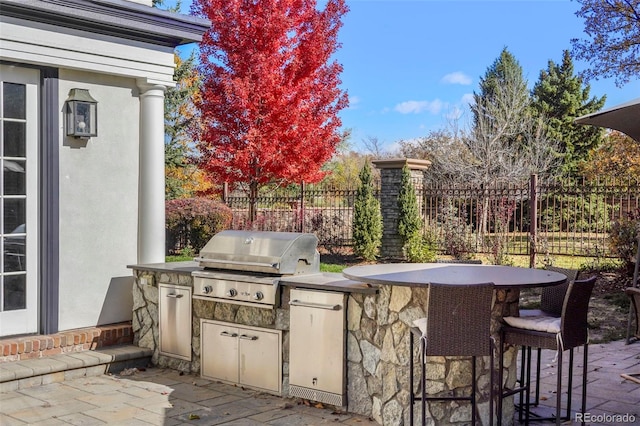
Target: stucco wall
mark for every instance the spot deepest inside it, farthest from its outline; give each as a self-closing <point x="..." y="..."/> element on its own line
<point x="99" y="204"/>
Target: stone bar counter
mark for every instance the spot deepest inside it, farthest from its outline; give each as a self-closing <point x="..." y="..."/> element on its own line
<point x="379" y="332"/>
<point x="378" y="321"/>
<point x="378" y="359"/>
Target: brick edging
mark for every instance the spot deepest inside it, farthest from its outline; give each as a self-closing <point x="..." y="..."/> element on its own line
<point x="78" y="340"/>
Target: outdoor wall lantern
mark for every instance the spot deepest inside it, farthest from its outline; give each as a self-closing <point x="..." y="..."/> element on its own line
<point x="82" y="114"/>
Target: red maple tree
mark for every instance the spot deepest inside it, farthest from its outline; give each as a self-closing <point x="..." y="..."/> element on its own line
<point x="270" y="92"/>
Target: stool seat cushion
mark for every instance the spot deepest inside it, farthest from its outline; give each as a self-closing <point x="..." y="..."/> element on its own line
<point x="421" y="323"/>
<point x="544" y="323"/>
<point x="532" y="313"/>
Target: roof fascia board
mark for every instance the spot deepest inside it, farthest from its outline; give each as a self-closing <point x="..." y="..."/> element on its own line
<point x="118" y="18"/>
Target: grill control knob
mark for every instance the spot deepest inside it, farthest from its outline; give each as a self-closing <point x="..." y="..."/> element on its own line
<point x="232" y="292"/>
<point x="258" y="295"/>
<point x="207" y="289"/>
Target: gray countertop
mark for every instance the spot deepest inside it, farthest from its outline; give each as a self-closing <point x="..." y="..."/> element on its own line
<point x="331" y="281"/>
<point x="420" y="274"/>
<point x="186" y="267"/>
<point x="328" y="281"/>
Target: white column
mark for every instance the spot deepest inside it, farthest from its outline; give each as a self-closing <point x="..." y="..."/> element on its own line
<point x="151" y="213"/>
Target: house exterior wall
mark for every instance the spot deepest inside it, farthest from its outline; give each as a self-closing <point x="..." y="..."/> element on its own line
<point x="106" y="209"/>
<point x="99" y="177"/>
<point x="98" y="202"/>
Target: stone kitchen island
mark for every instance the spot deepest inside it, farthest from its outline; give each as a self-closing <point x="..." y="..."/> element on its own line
<point x="148" y="327"/>
<point x="377" y="322"/>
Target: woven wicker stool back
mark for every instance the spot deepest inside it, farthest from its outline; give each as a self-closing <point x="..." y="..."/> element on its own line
<point x="458" y="323"/>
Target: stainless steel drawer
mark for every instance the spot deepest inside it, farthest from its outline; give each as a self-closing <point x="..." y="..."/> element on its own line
<point x="174" y="306"/>
<point x="317" y="346"/>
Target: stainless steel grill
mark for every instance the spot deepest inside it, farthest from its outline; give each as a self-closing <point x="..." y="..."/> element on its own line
<point x="245" y="267"/>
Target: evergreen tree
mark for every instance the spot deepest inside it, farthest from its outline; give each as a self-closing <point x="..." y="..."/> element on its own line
<point x="416" y="247"/>
<point x="367" y="219"/>
<point x="560" y="97"/>
<point x="409" y="222"/>
<point x="503" y="76"/>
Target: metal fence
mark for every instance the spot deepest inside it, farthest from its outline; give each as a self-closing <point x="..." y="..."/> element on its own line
<point x="543" y="216"/>
<point x="325" y="211"/>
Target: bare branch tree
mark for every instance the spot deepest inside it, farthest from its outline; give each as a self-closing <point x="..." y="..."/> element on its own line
<point x="374" y="146"/>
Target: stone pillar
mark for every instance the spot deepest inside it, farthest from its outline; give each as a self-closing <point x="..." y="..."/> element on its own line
<point x="390" y="178"/>
<point x="151" y="209"/>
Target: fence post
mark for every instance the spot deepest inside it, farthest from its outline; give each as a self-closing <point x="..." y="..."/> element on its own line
<point x="533" y="219"/>
<point x="390" y="178"/>
<point x="225" y="192"/>
<point x="302" y="186"/>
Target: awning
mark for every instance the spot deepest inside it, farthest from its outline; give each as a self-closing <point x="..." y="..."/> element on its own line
<point x="624" y="117"/>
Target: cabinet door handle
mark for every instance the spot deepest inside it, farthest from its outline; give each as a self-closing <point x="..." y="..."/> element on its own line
<point x="227" y="334"/>
<point x="247" y="337"/>
<point x="175" y="296"/>
<point x="315" y="305"/>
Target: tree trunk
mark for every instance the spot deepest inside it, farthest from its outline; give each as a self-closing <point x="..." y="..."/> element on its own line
<point x="253" y="202"/>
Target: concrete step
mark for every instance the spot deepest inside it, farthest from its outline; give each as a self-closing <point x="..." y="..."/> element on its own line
<point x="23" y="374"/>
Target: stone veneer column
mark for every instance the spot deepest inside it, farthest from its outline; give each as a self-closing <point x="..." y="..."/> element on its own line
<point x="390" y="178"/>
<point x="151" y="209"/>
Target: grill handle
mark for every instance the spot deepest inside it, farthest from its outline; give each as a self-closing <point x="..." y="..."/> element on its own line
<point x="315" y="305"/>
<point x="237" y="263"/>
<point x="247" y="337"/>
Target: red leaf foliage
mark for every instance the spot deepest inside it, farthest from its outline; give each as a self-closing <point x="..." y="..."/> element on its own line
<point x="193" y="221"/>
<point x="270" y="92"/>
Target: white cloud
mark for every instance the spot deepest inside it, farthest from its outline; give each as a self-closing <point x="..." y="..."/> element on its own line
<point x="354" y="101"/>
<point x="467" y="99"/>
<point x="416" y="107"/>
<point x="457" y="77"/>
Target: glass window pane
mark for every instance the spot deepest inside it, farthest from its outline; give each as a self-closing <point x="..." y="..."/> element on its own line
<point x="14" y="253"/>
<point x="14" y="214"/>
<point x="14" y="100"/>
<point x="14" y="177"/>
<point x="14" y="139"/>
<point x="15" y="292"/>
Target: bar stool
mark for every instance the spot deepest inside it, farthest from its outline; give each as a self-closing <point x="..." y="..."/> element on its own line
<point x="551" y="301"/>
<point x="458" y="323"/>
<point x="567" y="332"/>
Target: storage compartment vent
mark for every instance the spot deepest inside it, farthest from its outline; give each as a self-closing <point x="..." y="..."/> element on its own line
<point x="316" y="395"/>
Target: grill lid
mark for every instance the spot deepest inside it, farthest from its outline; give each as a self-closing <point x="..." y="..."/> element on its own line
<point x="262" y="251"/>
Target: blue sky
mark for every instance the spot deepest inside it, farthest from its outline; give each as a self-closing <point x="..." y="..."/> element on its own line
<point x="410" y="65"/>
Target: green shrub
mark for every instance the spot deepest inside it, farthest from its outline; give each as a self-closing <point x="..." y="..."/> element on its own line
<point x="623" y="238"/>
<point x="420" y="249"/>
<point x="576" y="213"/>
<point x="367" y="219"/>
<point x="191" y="222"/>
<point x="457" y="234"/>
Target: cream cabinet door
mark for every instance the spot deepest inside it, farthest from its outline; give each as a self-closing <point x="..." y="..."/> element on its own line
<point x="260" y="359"/>
<point x="218" y="351"/>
